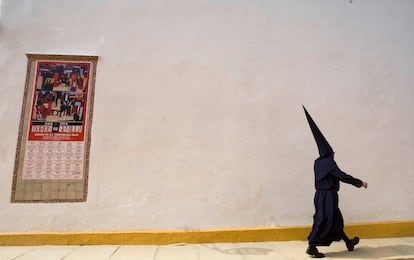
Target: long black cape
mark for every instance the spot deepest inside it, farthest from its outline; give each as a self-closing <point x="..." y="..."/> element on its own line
<point x="328" y="222"/>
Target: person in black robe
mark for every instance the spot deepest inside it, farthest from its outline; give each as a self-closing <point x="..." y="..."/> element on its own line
<point x="328" y="223"/>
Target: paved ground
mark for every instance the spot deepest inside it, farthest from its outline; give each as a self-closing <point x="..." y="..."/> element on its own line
<point x="389" y="248"/>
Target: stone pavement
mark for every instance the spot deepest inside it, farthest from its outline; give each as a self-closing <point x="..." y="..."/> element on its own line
<point x="385" y="248"/>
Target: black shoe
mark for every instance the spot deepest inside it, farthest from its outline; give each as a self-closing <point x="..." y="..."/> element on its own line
<point x="352" y="243"/>
<point x="313" y="251"/>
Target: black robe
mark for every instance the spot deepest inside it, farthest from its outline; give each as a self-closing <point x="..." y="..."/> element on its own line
<point x="328" y="223"/>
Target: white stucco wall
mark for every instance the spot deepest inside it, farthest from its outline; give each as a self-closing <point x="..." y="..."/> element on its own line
<point x="198" y="121"/>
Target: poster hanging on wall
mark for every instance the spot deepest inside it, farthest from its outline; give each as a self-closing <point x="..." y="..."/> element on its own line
<point x="52" y="158"/>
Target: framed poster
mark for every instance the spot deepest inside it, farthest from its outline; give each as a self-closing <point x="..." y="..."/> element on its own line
<point x="52" y="155"/>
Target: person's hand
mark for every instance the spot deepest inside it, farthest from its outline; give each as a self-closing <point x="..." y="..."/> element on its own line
<point x="364" y="184"/>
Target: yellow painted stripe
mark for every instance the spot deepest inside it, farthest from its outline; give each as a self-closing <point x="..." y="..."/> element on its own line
<point x="260" y="234"/>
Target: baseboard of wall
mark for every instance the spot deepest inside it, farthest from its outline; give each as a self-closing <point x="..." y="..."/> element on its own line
<point x="259" y="234"/>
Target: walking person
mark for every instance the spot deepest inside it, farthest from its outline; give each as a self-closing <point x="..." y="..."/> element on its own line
<point x="328" y="223"/>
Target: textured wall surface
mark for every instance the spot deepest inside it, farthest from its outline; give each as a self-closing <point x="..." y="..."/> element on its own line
<point x="198" y="121"/>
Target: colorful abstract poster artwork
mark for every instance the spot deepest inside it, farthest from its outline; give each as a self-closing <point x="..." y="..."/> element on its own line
<point x="52" y="156"/>
<point x="59" y="102"/>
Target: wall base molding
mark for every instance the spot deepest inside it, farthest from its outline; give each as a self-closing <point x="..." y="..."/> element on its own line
<point x="259" y="234"/>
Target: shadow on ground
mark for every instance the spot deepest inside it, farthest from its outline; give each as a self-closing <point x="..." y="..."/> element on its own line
<point x="381" y="252"/>
<point x="240" y="250"/>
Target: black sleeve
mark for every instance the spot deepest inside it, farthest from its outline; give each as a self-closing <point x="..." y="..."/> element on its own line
<point x="342" y="176"/>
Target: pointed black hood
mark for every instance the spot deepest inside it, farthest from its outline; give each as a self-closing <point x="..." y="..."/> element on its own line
<point x="325" y="150"/>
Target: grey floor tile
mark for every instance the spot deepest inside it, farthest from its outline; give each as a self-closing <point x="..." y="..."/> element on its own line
<point x="409" y="240"/>
<point x="92" y="252"/>
<point x="385" y="248"/>
<point x="292" y="249"/>
<point x="47" y="253"/>
<point x="372" y="249"/>
<point x="386" y="241"/>
<point x="179" y="252"/>
<point x="339" y="251"/>
<point x="135" y="252"/>
<point x="390" y="248"/>
<point x="258" y="251"/>
<point x="219" y="251"/>
<point x="10" y="252"/>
